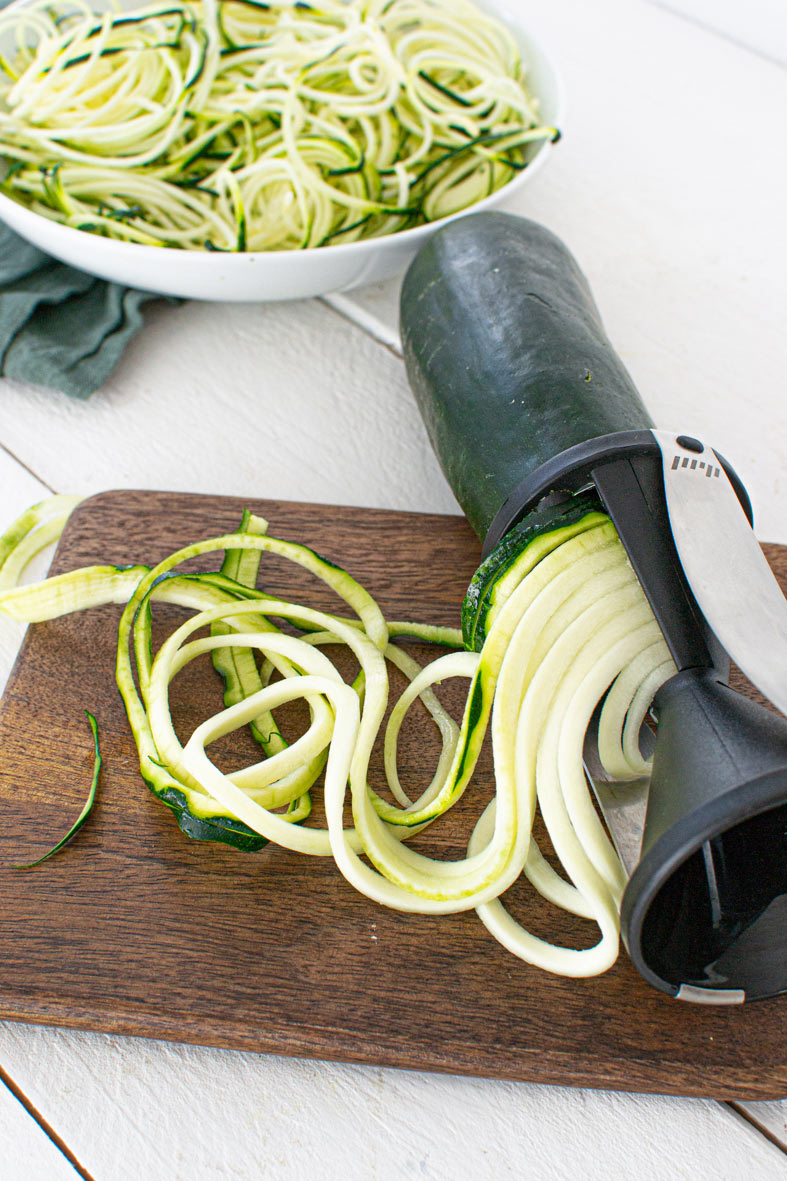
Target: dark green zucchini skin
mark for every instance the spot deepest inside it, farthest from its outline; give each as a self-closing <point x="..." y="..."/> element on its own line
<point x="507" y="356"/>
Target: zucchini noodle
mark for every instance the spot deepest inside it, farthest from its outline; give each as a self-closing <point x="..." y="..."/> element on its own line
<point x="238" y="125"/>
<point x="565" y="627"/>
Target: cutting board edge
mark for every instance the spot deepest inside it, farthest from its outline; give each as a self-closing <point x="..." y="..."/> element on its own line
<point x="112" y="495"/>
<point x="550" y="1069"/>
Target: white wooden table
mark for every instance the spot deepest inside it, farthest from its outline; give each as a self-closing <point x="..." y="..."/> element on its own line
<point x="670" y="187"/>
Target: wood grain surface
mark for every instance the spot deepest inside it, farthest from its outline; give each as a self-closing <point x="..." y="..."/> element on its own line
<point x="136" y="929"/>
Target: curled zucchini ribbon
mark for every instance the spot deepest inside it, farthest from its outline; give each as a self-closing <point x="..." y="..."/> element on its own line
<point x="565" y="625"/>
<point x="236" y="125"/>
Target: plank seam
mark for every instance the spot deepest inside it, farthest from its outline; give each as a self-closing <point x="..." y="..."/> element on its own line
<point x="27" y="468"/>
<point x="719" y="31"/>
<point x="739" y="1110"/>
<point x="340" y="305"/>
<point x="43" y="1124"/>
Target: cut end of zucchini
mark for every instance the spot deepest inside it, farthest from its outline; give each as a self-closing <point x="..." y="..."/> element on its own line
<point x="531" y="539"/>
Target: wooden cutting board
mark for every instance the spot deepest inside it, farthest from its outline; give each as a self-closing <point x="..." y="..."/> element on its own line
<point x="135" y="929"/>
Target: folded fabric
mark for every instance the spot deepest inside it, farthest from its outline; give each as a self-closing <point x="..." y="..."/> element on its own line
<point x="60" y="327"/>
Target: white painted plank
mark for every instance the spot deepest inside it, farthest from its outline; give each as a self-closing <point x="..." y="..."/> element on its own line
<point x="287" y="401"/>
<point x="26" y="1152"/>
<point x="152" y="1109"/>
<point x="759" y="24"/>
<point x="670" y="187"/>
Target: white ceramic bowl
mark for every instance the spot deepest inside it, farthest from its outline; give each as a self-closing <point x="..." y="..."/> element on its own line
<point x="274" y="275"/>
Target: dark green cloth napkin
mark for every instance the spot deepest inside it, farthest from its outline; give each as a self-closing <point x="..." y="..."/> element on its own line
<point x="60" y="327"/>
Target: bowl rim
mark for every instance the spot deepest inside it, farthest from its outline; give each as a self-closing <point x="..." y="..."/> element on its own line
<point x="385" y="242"/>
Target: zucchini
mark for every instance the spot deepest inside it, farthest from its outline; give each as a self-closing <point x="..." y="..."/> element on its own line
<point x="507" y="356"/>
<point x="510" y="366"/>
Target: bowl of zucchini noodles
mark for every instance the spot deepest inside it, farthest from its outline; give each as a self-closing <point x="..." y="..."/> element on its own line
<point x="250" y="150"/>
